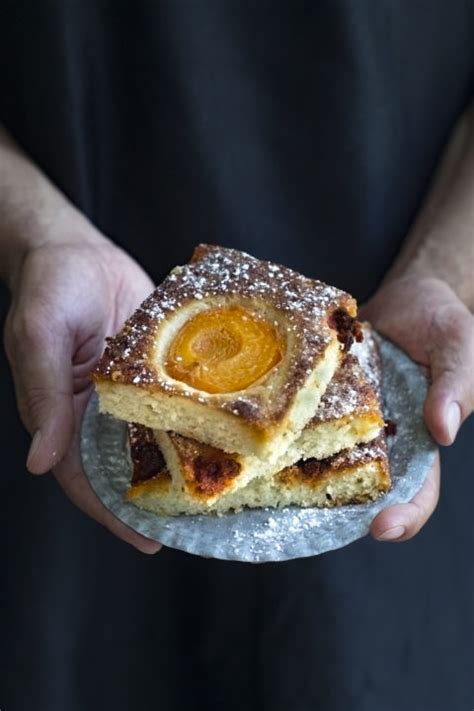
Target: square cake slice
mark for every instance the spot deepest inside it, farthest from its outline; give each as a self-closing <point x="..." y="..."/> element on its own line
<point x="357" y="475"/>
<point x="229" y="350"/>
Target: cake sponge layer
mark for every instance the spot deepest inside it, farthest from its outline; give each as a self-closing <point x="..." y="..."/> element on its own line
<point x="353" y="476"/>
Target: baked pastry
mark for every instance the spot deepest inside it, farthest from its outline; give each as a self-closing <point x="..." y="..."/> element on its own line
<point x="228" y="350"/>
<point x="349" y="414"/>
<point x="204" y="479"/>
<point x="356" y="475"/>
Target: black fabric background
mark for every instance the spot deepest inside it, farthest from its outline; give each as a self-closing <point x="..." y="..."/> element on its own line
<point x="301" y="132"/>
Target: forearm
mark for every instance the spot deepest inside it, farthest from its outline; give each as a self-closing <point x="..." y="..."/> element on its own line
<point x="441" y="241"/>
<point x="32" y="210"/>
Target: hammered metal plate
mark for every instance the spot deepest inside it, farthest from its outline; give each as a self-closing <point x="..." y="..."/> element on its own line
<point x="264" y="535"/>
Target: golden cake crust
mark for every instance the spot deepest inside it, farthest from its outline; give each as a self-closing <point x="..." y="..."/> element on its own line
<point x="303" y="308"/>
<point x="207" y="471"/>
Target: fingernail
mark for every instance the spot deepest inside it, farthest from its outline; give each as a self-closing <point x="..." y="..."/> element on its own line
<point x="34" y="447"/>
<point x="453" y="419"/>
<point x="392" y="534"/>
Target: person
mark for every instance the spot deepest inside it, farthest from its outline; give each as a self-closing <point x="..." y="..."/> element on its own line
<point x="331" y="137"/>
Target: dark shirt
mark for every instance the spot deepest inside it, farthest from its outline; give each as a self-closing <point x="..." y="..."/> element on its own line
<point x="302" y="132"/>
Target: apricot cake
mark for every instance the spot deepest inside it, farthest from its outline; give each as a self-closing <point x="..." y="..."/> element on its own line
<point x="354" y="475"/>
<point x="229" y="350"/>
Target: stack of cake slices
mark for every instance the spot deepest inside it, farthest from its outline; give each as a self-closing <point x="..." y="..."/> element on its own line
<point x="245" y="384"/>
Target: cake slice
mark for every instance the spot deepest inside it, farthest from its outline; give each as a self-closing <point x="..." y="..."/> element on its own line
<point x="229" y="350"/>
<point x="352" y="476"/>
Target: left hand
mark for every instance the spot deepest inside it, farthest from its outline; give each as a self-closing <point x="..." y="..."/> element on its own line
<point x="67" y="296"/>
<point x="425" y="318"/>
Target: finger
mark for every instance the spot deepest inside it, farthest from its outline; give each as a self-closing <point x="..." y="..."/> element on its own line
<point x="451" y="395"/>
<point x="76" y="486"/>
<point x="40" y="358"/>
<point x="403" y="521"/>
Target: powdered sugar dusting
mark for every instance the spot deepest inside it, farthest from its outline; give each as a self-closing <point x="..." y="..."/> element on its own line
<point x="219" y="272"/>
<point x="367" y="353"/>
<point x="348" y="393"/>
<point x="225" y="273"/>
<point x="356" y="386"/>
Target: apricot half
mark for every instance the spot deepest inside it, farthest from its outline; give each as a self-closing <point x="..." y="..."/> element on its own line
<point x="224" y="349"/>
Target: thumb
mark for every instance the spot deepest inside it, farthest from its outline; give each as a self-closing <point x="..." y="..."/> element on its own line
<point x="42" y="373"/>
<point x="450" y="398"/>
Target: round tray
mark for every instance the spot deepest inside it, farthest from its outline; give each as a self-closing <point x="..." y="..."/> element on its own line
<point x="263" y="535"/>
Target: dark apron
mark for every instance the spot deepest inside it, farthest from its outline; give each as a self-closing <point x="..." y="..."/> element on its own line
<point x="301" y="132"/>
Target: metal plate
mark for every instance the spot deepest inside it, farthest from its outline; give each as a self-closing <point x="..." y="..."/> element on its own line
<point x="263" y="535"/>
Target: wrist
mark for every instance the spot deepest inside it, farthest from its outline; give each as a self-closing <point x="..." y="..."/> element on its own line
<point x="56" y="224"/>
<point x="33" y="212"/>
<point x="429" y="264"/>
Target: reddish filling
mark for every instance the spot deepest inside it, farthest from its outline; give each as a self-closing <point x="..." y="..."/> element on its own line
<point x="313" y="468"/>
<point x="390" y="428"/>
<point x="348" y="328"/>
<point x="147" y="459"/>
<point x="212" y="476"/>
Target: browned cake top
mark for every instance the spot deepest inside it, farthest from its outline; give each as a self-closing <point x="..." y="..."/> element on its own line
<point x="207" y="471"/>
<point x="306" y="304"/>
<point x="376" y="450"/>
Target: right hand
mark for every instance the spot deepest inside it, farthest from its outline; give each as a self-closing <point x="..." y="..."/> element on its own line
<point x="67" y="295"/>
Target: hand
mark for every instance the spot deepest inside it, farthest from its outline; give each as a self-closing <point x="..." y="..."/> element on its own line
<point x="426" y="319"/>
<point x="67" y="296"/>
